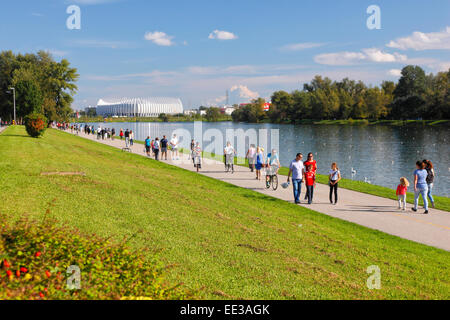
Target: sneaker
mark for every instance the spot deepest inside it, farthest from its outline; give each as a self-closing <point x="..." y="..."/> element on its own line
<point x="414" y="209"/>
<point x="426" y="212"/>
<point x="432" y="205"/>
<point x="404" y="209"/>
<point x="297" y="202"/>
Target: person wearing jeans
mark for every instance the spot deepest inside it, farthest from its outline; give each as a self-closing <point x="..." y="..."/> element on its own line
<point x="334" y="177"/>
<point x="420" y="186"/>
<point x="430" y="180"/>
<point x="297" y="170"/>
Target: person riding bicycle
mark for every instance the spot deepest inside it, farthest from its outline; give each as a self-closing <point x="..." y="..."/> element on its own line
<point x="273" y="162"/>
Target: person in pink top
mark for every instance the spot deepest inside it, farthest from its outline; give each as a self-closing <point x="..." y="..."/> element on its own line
<point x="401" y="193"/>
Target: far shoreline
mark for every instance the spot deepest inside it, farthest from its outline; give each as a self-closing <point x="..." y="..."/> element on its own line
<point x="348" y="122"/>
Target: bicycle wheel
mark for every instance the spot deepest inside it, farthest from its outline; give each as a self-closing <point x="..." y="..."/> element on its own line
<point x="275" y="182"/>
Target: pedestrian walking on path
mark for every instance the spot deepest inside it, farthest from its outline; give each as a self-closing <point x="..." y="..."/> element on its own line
<point x="310" y="181"/>
<point x="430" y="180"/>
<point x="333" y="180"/>
<point x="174" y="146"/>
<point x="131" y="138"/>
<point x="156" y="148"/>
<point x="297" y="170"/>
<point x="313" y="163"/>
<point x="164" y="144"/>
<point x="420" y="186"/>
<point x="147" y="146"/>
<point x="229" y="153"/>
<point x="402" y="188"/>
<point x="251" y="154"/>
<point x="259" y="163"/>
<point x="197" y="156"/>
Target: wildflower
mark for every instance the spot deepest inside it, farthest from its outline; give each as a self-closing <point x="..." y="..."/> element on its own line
<point x="9" y="273"/>
<point x="18" y="273"/>
<point x="23" y="269"/>
<point x="37" y="254"/>
<point x="41" y="294"/>
<point x="6" y="264"/>
<point x="48" y="274"/>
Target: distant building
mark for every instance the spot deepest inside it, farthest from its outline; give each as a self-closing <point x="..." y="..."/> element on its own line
<point x="202" y="112"/>
<point x="190" y="112"/>
<point x="227" y="110"/>
<point x="136" y="107"/>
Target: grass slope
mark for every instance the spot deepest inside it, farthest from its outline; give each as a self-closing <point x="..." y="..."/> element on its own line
<point x="221" y="240"/>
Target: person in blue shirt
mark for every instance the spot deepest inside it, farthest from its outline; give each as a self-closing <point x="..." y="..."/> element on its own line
<point x="147" y="146"/>
<point x="420" y="186"/>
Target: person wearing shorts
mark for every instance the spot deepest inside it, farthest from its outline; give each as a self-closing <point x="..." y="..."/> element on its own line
<point x="164" y="143"/>
<point x="147" y="146"/>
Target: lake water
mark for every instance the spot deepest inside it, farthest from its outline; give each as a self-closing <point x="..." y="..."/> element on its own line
<point x="379" y="154"/>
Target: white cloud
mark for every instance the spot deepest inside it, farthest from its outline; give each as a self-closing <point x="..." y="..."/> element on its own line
<point x="301" y="46"/>
<point x="238" y="94"/>
<point x="92" y="43"/>
<point x="395" y="72"/>
<point x="376" y="55"/>
<point x="339" y="58"/>
<point x="57" y="53"/>
<point x="222" y="35"/>
<point x="159" y="38"/>
<point x="423" y="41"/>
<point x="350" y="58"/>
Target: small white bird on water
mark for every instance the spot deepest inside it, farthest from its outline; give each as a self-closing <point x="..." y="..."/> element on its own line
<point x="367" y="180"/>
<point x="353" y="171"/>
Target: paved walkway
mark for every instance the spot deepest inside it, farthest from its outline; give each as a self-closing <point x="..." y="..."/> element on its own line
<point x="366" y="210"/>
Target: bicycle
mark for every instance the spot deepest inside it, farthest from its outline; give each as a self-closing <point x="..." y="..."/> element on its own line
<point x="272" y="177"/>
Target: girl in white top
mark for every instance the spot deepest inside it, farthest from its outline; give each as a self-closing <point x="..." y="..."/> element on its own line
<point x="334" y="178"/>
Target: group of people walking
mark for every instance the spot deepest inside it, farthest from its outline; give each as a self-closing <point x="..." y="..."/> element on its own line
<point x="299" y="171"/>
<point x="423" y="186"/>
<point x="156" y="147"/>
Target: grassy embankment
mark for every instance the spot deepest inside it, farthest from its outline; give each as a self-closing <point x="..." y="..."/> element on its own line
<point x="442" y="203"/>
<point x="222" y="240"/>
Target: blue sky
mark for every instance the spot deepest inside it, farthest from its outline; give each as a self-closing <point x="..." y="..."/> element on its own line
<point x="198" y="49"/>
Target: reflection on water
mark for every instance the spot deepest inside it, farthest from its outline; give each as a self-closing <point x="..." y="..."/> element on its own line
<point x="379" y="154"/>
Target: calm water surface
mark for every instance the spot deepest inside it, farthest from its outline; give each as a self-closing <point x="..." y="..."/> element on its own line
<point x="379" y="154"/>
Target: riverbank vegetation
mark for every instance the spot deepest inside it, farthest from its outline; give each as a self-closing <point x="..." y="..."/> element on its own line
<point x="417" y="95"/>
<point x="220" y="241"/>
<point x="161" y="118"/>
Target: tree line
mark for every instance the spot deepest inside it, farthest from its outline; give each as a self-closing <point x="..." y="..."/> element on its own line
<point x="42" y="85"/>
<point x="416" y="95"/>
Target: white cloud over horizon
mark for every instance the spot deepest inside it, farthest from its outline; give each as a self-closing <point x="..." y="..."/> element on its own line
<point x="347" y="58"/>
<point x="423" y="41"/>
<point x="159" y="38"/>
<point x="222" y="35"/>
<point x="301" y="46"/>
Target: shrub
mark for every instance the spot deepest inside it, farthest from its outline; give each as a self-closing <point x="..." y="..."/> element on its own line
<point x="35" y="124"/>
<point x="34" y="258"/>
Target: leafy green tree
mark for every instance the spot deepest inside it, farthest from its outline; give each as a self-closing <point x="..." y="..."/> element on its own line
<point x="213" y="114"/>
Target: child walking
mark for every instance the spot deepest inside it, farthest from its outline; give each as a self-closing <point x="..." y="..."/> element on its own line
<point x="401" y="192"/>
<point x="310" y="177"/>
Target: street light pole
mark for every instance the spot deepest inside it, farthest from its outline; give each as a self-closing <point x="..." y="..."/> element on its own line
<point x="14" y="98"/>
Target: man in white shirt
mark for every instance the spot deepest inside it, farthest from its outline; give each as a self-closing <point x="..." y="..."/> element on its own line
<point x="174" y="145"/>
<point x="297" y="169"/>
<point x="229" y="153"/>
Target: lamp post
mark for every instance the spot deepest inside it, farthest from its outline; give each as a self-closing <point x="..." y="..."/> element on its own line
<point x="14" y="97"/>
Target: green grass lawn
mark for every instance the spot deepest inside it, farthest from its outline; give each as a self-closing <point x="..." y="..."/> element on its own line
<point x="221" y="240"/>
